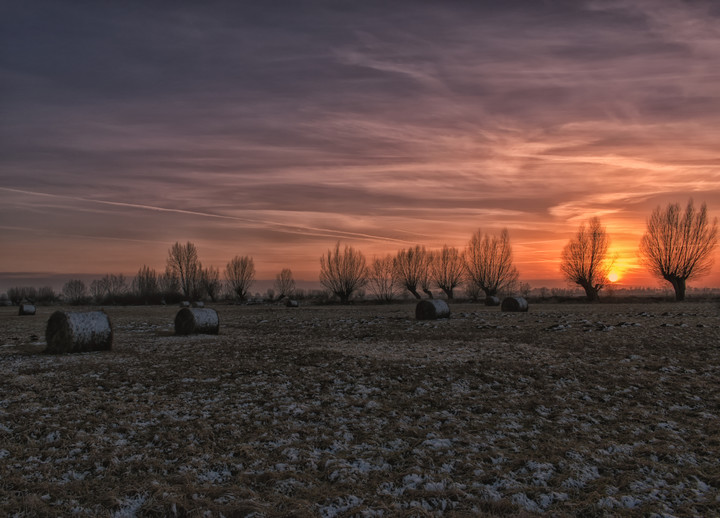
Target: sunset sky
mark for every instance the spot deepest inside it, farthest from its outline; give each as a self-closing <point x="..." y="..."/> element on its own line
<point x="274" y="129"/>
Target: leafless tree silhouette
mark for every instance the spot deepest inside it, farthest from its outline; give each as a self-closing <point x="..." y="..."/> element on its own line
<point x="411" y="269"/>
<point x="585" y="259"/>
<point x="210" y="281"/>
<point x="678" y="246"/>
<point x="382" y="278"/>
<point x="146" y="285"/>
<point x="183" y="263"/>
<point x="488" y="262"/>
<point x="19" y="294"/>
<point x="75" y="291"/>
<point x="240" y="274"/>
<point x="447" y="269"/>
<point x="343" y="272"/>
<point x="284" y="284"/>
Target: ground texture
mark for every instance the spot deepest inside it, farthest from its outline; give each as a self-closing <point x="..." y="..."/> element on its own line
<point x="593" y="410"/>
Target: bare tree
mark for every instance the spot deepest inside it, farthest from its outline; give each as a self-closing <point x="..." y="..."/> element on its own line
<point x="447" y="269"/>
<point x="411" y="269"/>
<point x="524" y="288"/>
<point x="343" y="272"/>
<point x="146" y="285"/>
<point x="183" y="263"/>
<point x="381" y="278"/>
<point x="169" y="285"/>
<point x="46" y="295"/>
<point x="18" y="294"/>
<point x="98" y="290"/>
<point x="240" y="274"/>
<point x="285" y="284"/>
<point x="678" y="246"/>
<point x="210" y="282"/>
<point x="75" y="291"/>
<point x="585" y="260"/>
<point x="488" y="262"/>
<point x="116" y="286"/>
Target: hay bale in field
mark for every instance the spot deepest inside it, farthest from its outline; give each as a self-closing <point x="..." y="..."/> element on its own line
<point x="77" y="331"/>
<point x="492" y="301"/>
<point x="185" y="304"/>
<point x="198" y="304"/>
<point x="291" y="303"/>
<point x="197" y="321"/>
<point x="516" y="304"/>
<point x="432" y="309"/>
<point x="26" y="309"/>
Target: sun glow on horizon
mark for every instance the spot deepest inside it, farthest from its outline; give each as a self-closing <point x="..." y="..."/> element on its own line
<point x="613" y="276"/>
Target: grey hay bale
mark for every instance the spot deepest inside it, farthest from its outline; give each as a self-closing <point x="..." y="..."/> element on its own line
<point x="291" y="303"/>
<point x="77" y="331"/>
<point x="26" y="309"/>
<point x="516" y="304"/>
<point x="197" y="321"/>
<point x="432" y="309"/>
<point x="185" y="304"/>
<point x="198" y="304"/>
<point x="492" y="301"/>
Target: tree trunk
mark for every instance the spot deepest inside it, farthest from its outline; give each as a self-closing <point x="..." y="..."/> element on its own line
<point x="449" y="293"/>
<point x="413" y="290"/>
<point x="428" y="293"/>
<point x="678" y="285"/>
<point x="490" y="292"/>
<point x="591" y="292"/>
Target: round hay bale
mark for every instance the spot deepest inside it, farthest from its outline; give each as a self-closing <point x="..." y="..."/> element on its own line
<point x="197" y="321"/>
<point x="432" y="309"/>
<point x="514" y="304"/>
<point x="291" y="303"/>
<point x="198" y="304"/>
<point x="26" y="309"/>
<point x="492" y="301"/>
<point x="185" y="304"/>
<point x="77" y="331"/>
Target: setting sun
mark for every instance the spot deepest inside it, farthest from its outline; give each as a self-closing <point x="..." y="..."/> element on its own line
<point x="613" y="276"/>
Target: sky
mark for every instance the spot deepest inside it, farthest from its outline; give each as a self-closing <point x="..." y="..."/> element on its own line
<point x="275" y="129"/>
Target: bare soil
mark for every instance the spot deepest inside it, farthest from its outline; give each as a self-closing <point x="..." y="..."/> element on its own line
<point x="592" y="410"/>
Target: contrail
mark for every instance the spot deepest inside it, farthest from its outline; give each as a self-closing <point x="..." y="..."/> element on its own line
<point x="295" y="229"/>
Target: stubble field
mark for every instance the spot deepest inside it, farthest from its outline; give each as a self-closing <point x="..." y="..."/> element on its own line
<point x="589" y="410"/>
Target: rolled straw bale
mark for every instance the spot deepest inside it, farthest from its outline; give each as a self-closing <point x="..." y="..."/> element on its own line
<point x="197" y="321"/>
<point x="492" y="301"/>
<point x="514" y="304"/>
<point x="185" y="304"/>
<point x="198" y="304"/>
<point x="26" y="309"/>
<point x="291" y="303"/>
<point x="432" y="309"/>
<point x="77" y="331"/>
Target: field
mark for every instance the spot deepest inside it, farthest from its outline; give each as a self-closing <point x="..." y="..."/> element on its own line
<point x="572" y="409"/>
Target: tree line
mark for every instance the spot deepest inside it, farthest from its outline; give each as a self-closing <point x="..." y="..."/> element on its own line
<point x="676" y="247"/>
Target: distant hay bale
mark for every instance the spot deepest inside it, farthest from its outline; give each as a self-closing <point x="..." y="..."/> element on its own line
<point x="516" y="304"/>
<point x="197" y="321"/>
<point x="492" y="301"/>
<point x="432" y="309"/>
<point x="74" y="332"/>
<point x="185" y="304"/>
<point x="291" y="303"/>
<point x="26" y="309"/>
<point x="198" y="304"/>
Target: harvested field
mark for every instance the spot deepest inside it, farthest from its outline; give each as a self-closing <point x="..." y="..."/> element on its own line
<point x="587" y="410"/>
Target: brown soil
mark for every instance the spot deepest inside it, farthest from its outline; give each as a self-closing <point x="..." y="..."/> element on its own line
<point x="586" y="410"/>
